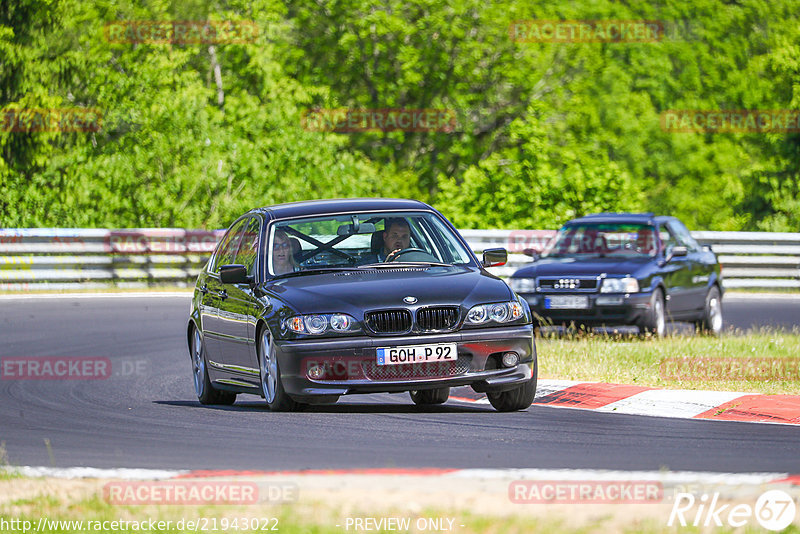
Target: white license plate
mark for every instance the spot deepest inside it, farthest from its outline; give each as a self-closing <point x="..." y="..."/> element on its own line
<point x="567" y="302"/>
<point x="439" y="352"/>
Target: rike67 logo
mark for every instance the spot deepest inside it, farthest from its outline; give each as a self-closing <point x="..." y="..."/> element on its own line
<point x="774" y="510"/>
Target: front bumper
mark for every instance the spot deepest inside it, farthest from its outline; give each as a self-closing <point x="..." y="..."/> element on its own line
<point x="352" y="367"/>
<point x="608" y="309"/>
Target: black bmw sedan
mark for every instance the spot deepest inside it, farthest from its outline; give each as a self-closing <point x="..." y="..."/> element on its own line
<point x="624" y="269"/>
<point x="304" y="302"/>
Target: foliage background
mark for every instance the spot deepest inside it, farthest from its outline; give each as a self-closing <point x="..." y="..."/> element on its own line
<point x="545" y="131"/>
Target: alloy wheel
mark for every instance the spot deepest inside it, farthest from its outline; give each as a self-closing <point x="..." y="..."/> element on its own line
<point x="661" y="323"/>
<point x="198" y="363"/>
<point x="268" y="365"/>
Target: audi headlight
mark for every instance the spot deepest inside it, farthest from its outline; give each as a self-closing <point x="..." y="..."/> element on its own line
<point x="620" y="285"/>
<point x="321" y="323"/>
<point x="522" y="285"/>
<point x="501" y="312"/>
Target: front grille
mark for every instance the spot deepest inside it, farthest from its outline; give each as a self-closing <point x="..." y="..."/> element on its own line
<point x="388" y="321"/>
<point x="567" y="283"/>
<point x="437" y="318"/>
<point x="373" y="371"/>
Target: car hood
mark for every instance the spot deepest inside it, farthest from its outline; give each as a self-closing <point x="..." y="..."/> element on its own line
<point x="351" y="291"/>
<point x="593" y="266"/>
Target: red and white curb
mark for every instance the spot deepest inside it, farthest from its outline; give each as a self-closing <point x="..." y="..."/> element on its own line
<point x="668" y="478"/>
<point x="676" y="403"/>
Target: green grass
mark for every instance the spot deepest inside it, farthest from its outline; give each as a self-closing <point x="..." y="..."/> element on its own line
<point x="291" y="519"/>
<point x="318" y="518"/>
<point x="704" y="360"/>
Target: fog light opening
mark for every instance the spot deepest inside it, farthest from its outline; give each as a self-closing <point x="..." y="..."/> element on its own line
<point x="316" y="372"/>
<point x="510" y="359"/>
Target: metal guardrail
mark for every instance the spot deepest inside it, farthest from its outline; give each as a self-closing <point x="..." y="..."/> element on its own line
<point x="64" y="258"/>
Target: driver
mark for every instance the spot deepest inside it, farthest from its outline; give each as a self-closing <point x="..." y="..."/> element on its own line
<point x="396" y="237"/>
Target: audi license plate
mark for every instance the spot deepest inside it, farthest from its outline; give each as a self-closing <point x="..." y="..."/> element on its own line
<point x="417" y="353"/>
<point x="567" y="302"/>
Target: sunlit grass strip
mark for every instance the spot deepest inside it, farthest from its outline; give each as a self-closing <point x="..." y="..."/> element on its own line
<point x="632" y="360"/>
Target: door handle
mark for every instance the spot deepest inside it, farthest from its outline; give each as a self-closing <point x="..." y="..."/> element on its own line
<point x="223" y="294"/>
<point x="204" y="289"/>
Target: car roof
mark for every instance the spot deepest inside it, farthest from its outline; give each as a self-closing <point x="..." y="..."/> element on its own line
<point x="339" y="205"/>
<point x="636" y="218"/>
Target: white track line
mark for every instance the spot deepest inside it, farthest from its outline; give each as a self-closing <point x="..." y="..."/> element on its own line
<point x="142" y="294"/>
<point x="93" y="472"/>
<point x="668" y="478"/>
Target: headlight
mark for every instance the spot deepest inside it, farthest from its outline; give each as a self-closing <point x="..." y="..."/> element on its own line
<point x="620" y="285"/>
<point x="501" y="312"/>
<point x="321" y="323"/>
<point x="315" y="324"/>
<point x="341" y="322"/>
<point x="522" y="285"/>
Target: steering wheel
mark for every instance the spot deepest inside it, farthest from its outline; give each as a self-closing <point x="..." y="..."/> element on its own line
<point x="397" y="253"/>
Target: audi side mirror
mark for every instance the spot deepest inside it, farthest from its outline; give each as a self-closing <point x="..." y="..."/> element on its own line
<point x="678" y="251"/>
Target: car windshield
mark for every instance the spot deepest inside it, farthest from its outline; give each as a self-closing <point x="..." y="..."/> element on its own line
<point x="362" y="240"/>
<point x="615" y="239"/>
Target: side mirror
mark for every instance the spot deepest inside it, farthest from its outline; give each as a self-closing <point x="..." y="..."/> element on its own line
<point x="678" y="251"/>
<point x="233" y="274"/>
<point x="493" y="257"/>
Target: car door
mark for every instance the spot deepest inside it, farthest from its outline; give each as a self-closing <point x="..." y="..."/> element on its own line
<point x="699" y="268"/>
<point x="213" y="291"/>
<point x="676" y="273"/>
<point x="236" y="317"/>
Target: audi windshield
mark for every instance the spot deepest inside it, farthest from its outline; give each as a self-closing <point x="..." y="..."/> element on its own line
<point x="603" y="240"/>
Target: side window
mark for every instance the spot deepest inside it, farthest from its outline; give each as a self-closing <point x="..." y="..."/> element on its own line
<point x="683" y="235"/>
<point x="248" y="248"/>
<point x="668" y="240"/>
<point x="228" y="246"/>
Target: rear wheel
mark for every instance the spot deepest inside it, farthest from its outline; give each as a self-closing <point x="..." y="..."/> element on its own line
<point x="430" y="396"/>
<point x="271" y="386"/>
<point x="206" y="393"/>
<point x="518" y="398"/>
<point x="655" y="321"/>
<point x="711" y="320"/>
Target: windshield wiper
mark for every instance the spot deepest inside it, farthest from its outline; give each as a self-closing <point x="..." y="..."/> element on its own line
<point x="396" y="264"/>
<point x="319" y="270"/>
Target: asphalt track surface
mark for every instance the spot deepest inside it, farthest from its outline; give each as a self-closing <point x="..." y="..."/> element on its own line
<point x="146" y="414"/>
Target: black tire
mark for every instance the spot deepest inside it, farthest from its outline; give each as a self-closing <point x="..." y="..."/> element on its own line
<point x="519" y="398"/>
<point x="426" y="397"/>
<point x="270" y="377"/>
<point x="206" y="393"/>
<point x="711" y="321"/>
<point x="655" y="320"/>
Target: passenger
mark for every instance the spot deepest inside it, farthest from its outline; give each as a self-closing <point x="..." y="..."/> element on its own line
<point x="282" y="254"/>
